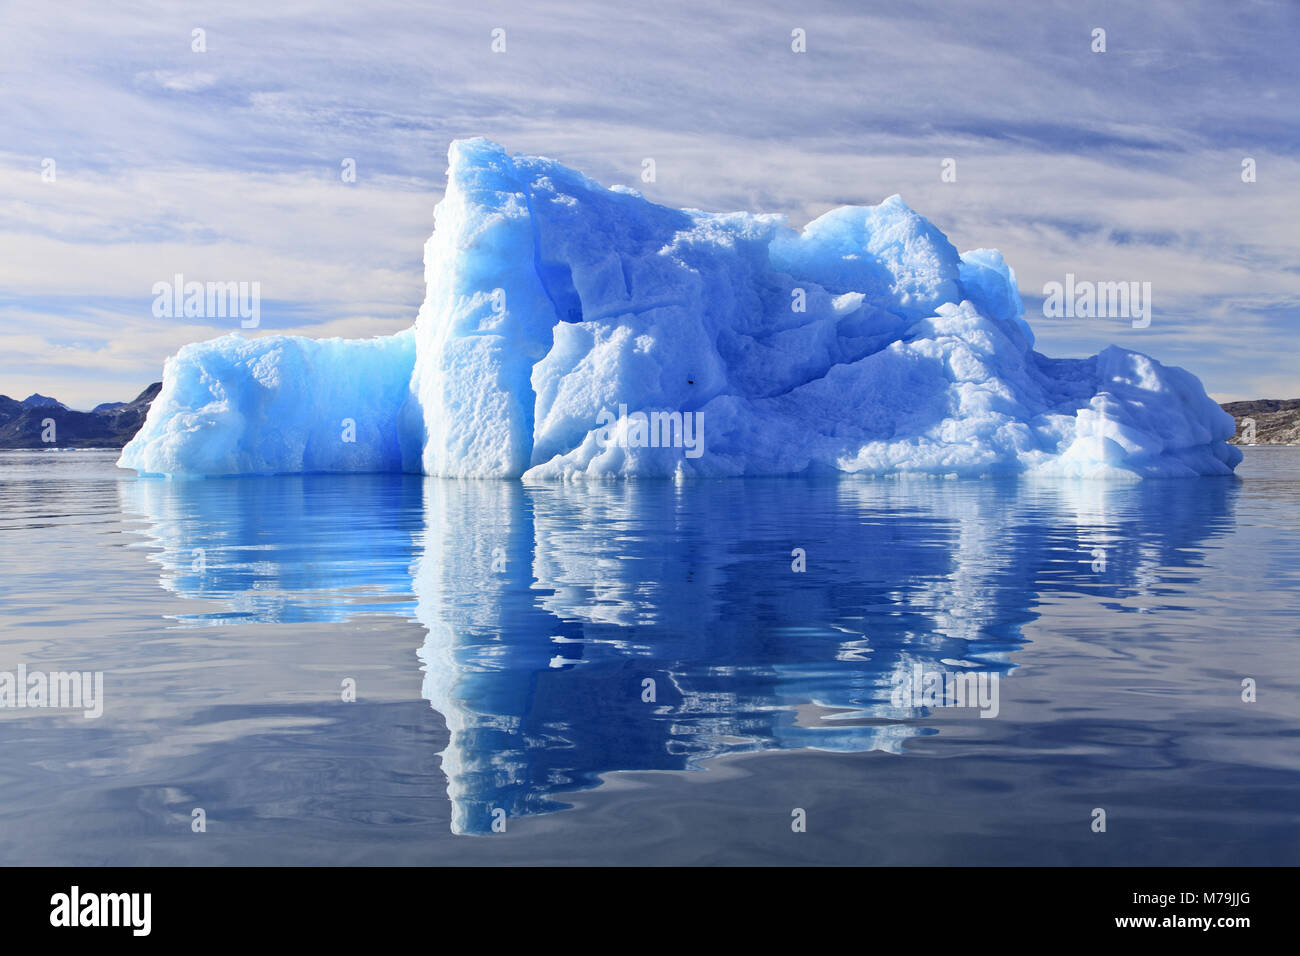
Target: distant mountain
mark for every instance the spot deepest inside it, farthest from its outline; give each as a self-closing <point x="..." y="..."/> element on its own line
<point x="1277" y="421"/>
<point x="111" y="425"/>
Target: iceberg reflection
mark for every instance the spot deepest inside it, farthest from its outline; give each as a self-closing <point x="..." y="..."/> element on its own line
<point x="577" y="629"/>
<point x="297" y="548"/>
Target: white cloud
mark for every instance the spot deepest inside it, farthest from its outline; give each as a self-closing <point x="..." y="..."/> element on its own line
<point x="225" y="164"/>
<point x="177" y="81"/>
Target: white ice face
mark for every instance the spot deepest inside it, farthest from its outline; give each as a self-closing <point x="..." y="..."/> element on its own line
<point x="575" y="331"/>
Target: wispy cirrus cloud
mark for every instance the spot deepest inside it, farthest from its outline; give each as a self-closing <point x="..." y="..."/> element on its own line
<point x="225" y="163"/>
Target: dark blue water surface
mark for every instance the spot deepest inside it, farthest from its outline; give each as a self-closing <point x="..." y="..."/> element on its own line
<point x="569" y="658"/>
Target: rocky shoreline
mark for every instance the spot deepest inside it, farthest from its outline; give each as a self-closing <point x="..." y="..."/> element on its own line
<point x="1275" y="421"/>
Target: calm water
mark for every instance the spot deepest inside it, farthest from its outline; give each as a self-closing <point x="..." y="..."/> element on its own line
<point x="504" y="643"/>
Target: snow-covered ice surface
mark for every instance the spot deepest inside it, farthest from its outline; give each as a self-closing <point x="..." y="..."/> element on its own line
<point x="573" y="331"/>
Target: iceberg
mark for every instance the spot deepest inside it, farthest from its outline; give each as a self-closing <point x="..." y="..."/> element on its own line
<point x="574" y="331"/>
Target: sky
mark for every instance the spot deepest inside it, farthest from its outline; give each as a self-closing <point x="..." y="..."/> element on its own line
<point x="225" y="163"/>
